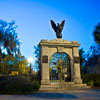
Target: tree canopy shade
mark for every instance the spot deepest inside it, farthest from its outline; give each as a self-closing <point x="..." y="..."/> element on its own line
<point x="8" y="38"/>
<point x="96" y="33"/>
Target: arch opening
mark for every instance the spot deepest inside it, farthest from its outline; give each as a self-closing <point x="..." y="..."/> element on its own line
<point x="59" y="67"/>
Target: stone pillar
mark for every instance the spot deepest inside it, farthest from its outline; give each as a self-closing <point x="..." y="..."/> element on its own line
<point x="44" y="66"/>
<point x="45" y="74"/>
<point x="76" y="65"/>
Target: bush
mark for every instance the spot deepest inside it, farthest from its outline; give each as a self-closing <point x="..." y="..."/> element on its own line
<point x="34" y="77"/>
<point x="97" y="83"/>
<point x="18" y="85"/>
<point x="36" y="85"/>
<point x="92" y="83"/>
<point x="91" y="79"/>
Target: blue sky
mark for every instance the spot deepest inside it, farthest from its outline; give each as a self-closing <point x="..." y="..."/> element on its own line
<point x="33" y="20"/>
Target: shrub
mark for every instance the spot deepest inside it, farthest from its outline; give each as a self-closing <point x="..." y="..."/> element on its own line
<point x="34" y="77"/>
<point x="18" y="85"/>
<point x="91" y="79"/>
<point x="92" y="83"/>
<point x="97" y="83"/>
<point x="36" y="85"/>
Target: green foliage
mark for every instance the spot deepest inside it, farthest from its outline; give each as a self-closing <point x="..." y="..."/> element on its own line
<point x="37" y="55"/>
<point x="8" y="38"/>
<point x="91" y="79"/>
<point x="34" y="77"/>
<point x="92" y="58"/>
<point x="36" y="85"/>
<point x="96" y="34"/>
<point x="11" y="58"/>
<point x="91" y="83"/>
<point x="82" y="56"/>
<point x="37" y="60"/>
<point x="11" y="63"/>
<point x="97" y="83"/>
<point x="18" y="85"/>
<point x="92" y="63"/>
<point x="82" y="59"/>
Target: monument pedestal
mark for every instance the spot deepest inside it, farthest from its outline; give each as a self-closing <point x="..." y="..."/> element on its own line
<point x="45" y="82"/>
<point x="78" y="81"/>
<point x="61" y="86"/>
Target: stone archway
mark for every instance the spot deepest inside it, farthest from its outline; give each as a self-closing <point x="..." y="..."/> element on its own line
<point x="48" y="48"/>
<point x="59" y="67"/>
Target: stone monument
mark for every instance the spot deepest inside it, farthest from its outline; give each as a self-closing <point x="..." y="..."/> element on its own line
<point x="48" y="48"/>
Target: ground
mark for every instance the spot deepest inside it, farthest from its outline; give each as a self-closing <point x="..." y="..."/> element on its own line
<point x="86" y="94"/>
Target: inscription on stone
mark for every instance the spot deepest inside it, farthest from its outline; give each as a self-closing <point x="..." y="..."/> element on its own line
<point x="44" y="59"/>
<point x="76" y="59"/>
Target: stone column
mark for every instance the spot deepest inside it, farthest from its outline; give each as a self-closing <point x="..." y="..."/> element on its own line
<point x="45" y="74"/>
<point x="76" y="65"/>
<point x="44" y="66"/>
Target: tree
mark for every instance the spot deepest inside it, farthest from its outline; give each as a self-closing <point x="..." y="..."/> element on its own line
<point x="22" y="63"/>
<point x="92" y="64"/>
<point x="12" y="60"/>
<point x="92" y="59"/>
<point x="10" y="63"/>
<point x="37" y="56"/>
<point x="8" y="38"/>
<point x="82" y="56"/>
<point x="37" y="60"/>
<point x="82" y="59"/>
<point x="96" y="34"/>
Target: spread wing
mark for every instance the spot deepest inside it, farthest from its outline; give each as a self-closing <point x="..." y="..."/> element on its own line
<point x="53" y="25"/>
<point x="62" y="25"/>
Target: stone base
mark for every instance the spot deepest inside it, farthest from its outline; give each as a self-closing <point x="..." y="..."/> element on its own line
<point x="61" y="86"/>
<point x="78" y="81"/>
<point x="45" y="82"/>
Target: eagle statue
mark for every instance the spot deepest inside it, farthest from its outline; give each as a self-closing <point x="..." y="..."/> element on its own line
<point x="58" y="28"/>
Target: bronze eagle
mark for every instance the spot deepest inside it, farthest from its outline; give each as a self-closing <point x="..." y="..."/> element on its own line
<point x="58" y="28"/>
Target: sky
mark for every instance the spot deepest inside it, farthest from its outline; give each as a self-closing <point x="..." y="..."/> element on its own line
<point x="33" y="20"/>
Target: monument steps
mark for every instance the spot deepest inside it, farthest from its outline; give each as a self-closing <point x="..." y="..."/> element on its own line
<point x="63" y="86"/>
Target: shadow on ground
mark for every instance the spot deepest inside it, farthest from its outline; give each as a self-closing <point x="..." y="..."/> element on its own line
<point x="53" y="95"/>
